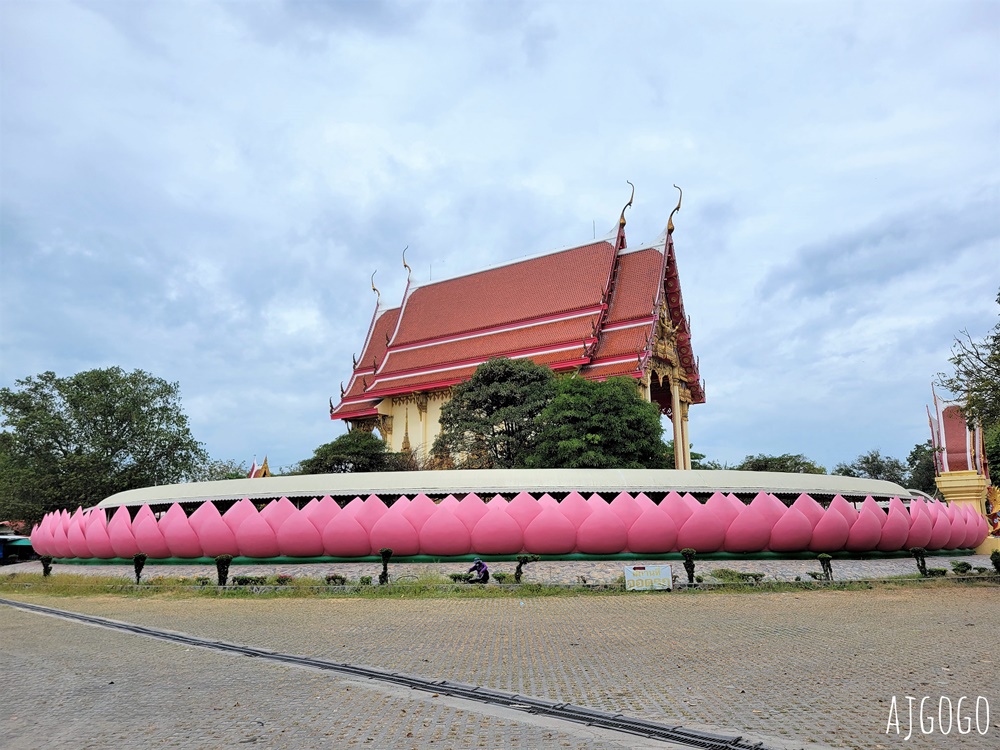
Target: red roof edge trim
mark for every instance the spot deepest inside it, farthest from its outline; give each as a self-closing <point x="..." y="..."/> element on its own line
<point x="569" y="346"/>
<point x="633" y="323"/>
<point x="491" y="331"/>
<point x="348" y="414"/>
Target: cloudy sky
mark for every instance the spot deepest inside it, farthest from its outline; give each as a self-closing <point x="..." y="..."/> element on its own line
<point x="202" y="190"/>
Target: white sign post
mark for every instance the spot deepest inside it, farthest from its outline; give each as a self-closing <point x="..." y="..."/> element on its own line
<point x="648" y="578"/>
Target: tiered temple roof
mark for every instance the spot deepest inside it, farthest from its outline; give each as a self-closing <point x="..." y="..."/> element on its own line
<point x="596" y="309"/>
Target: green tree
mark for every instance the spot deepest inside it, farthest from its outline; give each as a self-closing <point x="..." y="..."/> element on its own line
<point x="75" y="440"/>
<point x="215" y="469"/>
<point x="787" y="462"/>
<point x="873" y="465"/>
<point x="355" y="451"/>
<point x="490" y="422"/>
<point x="976" y="377"/>
<point x="920" y="468"/>
<point x="697" y="459"/>
<point x="598" y="425"/>
<point x="991" y="436"/>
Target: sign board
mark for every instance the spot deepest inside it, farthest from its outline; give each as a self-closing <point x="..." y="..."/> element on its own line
<point x="648" y="578"/>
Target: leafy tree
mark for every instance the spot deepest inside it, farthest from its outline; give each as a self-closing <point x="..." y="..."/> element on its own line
<point x="216" y="469"/>
<point x="598" y="425"/>
<point x="920" y="468"/>
<point x="976" y="377"/>
<point x="697" y="459"/>
<point x="75" y="440"/>
<point x="873" y="465"/>
<point x="355" y="451"/>
<point x="490" y="422"/>
<point x="786" y="462"/>
<point x="991" y="436"/>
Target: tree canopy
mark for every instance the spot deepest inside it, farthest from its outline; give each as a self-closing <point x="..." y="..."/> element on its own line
<point x="353" y="452"/>
<point x="976" y="376"/>
<point x="490" y="421"/>
<point x="598" y="425"/>
<point x="873" y="465"/>
<point x="786" y="462"/>
<point x="75" y="440"/>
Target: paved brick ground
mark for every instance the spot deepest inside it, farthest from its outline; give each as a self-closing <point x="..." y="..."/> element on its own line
<point x="809" y="667"/>
<point x="72" y="686"/>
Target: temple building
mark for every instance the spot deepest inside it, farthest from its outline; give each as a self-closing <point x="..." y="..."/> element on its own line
<point x="595" y="310"/>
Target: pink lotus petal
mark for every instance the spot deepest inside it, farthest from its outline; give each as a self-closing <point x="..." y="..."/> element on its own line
<point x="523" y="509"/>
<point x="181" y="538"/>
<point x="497" y="533"/>
<point x="703" y="531"/>
<point x="724" y="508"/>
<point x="575" y="508"/>
<point x="654" y="532"/>
<point x="895" y="531"/>
<point x="445" y="534"/>
<point x="873" y="507"/>
<point x="679" y="510"/>
<point x="120" y="533"/>
<point x="845" y="509"/>
<point x="626" y="508"/>
<point x="276" y="511"/>
<point x="751" y="531"/>
<point x="471" y="508"/>
<point x="298" y="537"/>
<point x="216" y="537"/>
<point x="394" y="530"/>
<point x="792" y="533"/>
<point x="831" y="533"/>
<point x="148" y="536"/>
<point x="808" y="507"/>
<point x="550" y="533"/>
<point x="602" y="532"/>
<point x="419" y="510"/>
<point x="865" y="533"/>
<point x="256" y="538"/>
<point x="345" y="537"/>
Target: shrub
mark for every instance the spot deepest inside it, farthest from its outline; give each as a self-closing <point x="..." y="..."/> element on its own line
<point x="816" y="575"/>
<point x="138" y="562"/>
<point x="222" y="563"/>
<point x="365" y="581"/>
<point x="500" y="577"/>
<point x="688" y="554"/>
<point x="386" y="554"/>
<point x="46" y="565"/>
<point x="937" y="572"/>
<point x="961" y="567"/>
<point x="202" y="580"/>
<point x="980" y="570"/>
<point x="335" y="579"/>
<point x="459" y="577"/>
<point x="824" y="561"/>
<point x="523" y="560"/>
<point x="284" y="580"/>
<point x="995" y="559"/>
<point x="919" y="554"/>
<point x="249" y="580"/>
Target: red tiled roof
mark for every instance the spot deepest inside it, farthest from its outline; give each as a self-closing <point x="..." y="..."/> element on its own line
<point x="537" y="287"/>
<point x="552" y="309"/>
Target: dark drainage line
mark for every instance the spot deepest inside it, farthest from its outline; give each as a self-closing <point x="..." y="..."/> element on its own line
<point x="538" y="706"/>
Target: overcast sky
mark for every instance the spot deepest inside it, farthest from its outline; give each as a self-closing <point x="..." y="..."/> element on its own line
<point x="202" y="190"/>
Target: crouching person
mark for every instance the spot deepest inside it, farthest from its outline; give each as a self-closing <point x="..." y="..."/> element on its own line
<point x="480" y="571"/>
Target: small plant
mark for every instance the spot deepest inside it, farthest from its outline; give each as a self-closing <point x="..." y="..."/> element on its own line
<point x="386" y="554"/>
<point x="284" y="580"/>
<point x="980" y="570"/>
<point x="824" y="561"/>
<point x="335" y="579"/>
<point x="995" y="559"/>
<point x="250" y="580"/>
<point x="961" y="567"/>
<point x="582" y="580"/>
<point x="500" y="577"/>
<point x="937" y="572"/>
<point x="202" y="580"/>
<point x="699" y="579"/>
<point x="816" y="575"/>
<point x="138" y="563"/>
<point x="920" y="555"/>
<point x="688" y="554"/>
<point x="798" y="578"/>
<point x="222" y="563"/>
<point x="365" y="581"/>
<point x="523" y="560"/>
<point x="46" y="561"/>
<point x="459" y="577"/>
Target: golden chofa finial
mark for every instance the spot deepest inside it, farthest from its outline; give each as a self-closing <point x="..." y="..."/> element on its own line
<point x="409" y="271"/>
<point x="378" y="294"/>
<point x="621" y="221"/>
<point x="670" y="221"/>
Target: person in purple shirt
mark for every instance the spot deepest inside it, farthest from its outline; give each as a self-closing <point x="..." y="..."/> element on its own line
<point x="482" y="573"/>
